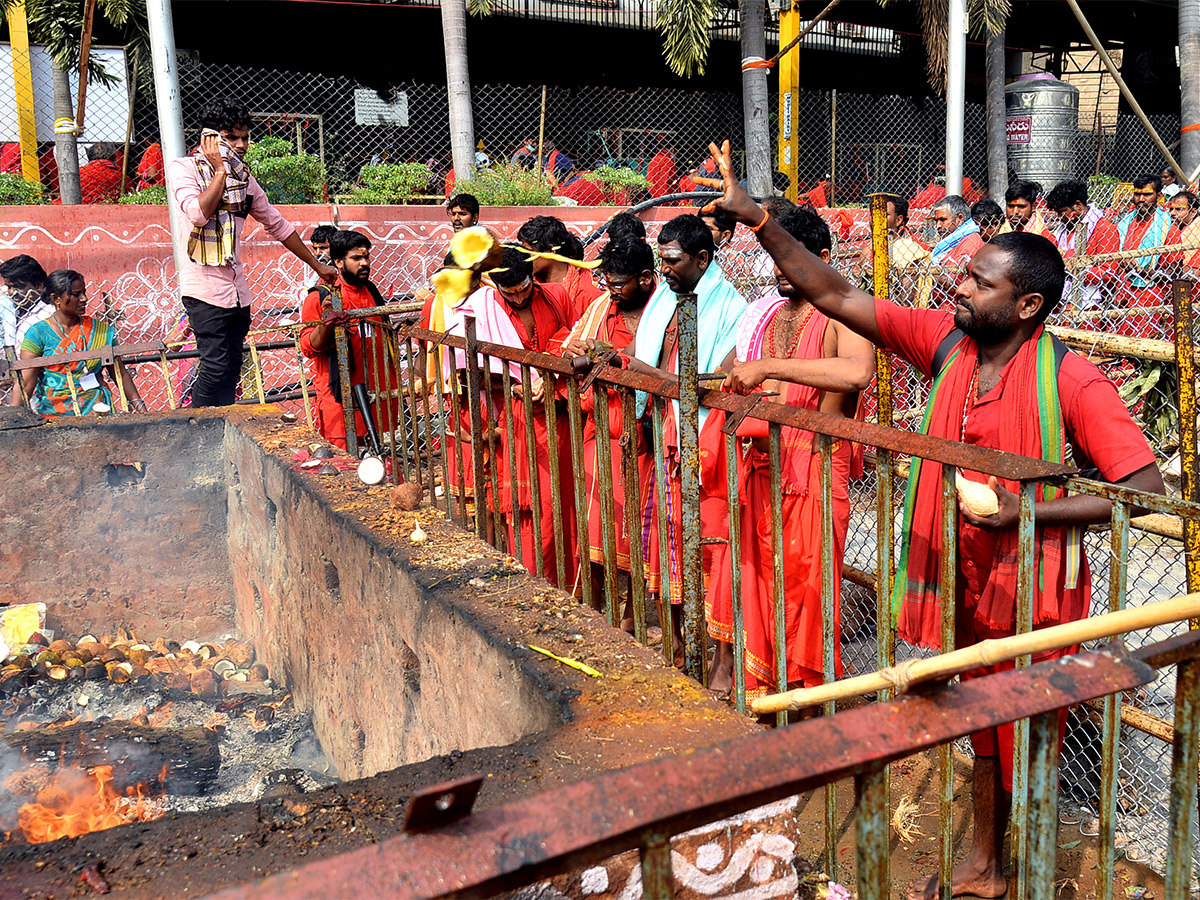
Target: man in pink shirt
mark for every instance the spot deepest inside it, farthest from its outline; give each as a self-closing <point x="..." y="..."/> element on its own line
<point x="216" y="192"/>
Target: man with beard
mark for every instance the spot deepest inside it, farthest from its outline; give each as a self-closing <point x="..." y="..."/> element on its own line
<point x="1081" y="223"/>
<point x="1146" y="225"/>
<point x="521" y="312"/>
<point x="686" y="251"/>
<point x="999" y="381"/>
<point x="351" y="255"/>
<point x="785" y="344"/>
<point x="1021" y="213"/>
<point x="1183" y="209"/>
<point x="627" y="274"/>
<point x="463" y="211"/>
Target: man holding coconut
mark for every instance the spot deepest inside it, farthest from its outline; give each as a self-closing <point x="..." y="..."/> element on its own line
<point x="1000" y="381"/>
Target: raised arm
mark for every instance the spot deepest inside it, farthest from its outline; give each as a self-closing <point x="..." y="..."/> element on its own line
<point x="822" y="285"/>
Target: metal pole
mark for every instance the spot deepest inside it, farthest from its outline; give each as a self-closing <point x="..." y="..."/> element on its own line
<point x="956" y="76"/>
<point x="170" y="111"/>
<point x="832" y="144"/>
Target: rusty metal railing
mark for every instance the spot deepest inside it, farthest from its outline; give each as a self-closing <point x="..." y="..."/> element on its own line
<point x="643" y="806"/>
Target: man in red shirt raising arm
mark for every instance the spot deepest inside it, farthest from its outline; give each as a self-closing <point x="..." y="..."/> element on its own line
<point x="985" y="392"/>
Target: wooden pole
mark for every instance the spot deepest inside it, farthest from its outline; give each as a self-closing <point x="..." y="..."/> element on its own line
<point x="129" y="123"/>
<point x="542" y="130"/>
<point x="85" y="51"/>
<point x="986" y="653"/>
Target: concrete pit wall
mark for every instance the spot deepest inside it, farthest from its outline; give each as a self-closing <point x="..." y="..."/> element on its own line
<point x="393" y="673"/>
<point x="117" y="523"/>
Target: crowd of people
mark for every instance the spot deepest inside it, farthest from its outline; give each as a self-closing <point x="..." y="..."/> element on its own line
<point x="999" y="380"/>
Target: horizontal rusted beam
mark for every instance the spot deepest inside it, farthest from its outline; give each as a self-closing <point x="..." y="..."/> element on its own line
<point x="581" y="824"/>
<point x="964" y="456"/>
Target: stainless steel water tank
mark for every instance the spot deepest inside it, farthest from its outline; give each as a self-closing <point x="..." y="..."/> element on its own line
<point x="1042" y="121"/>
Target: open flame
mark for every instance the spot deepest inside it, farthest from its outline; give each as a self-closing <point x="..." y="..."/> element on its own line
<point x="76" y="802"/>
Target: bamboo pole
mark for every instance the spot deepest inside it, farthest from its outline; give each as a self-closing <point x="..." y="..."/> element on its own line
<point x="1083" y="260"/>
<point x="986" y="653"/>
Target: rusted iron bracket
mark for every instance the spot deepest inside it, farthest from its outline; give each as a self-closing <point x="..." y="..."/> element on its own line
<point x="598" y="364"/>
<point x="581" y="824"/>
<point x="734" y="418"/>
<point x="441" y="804"/>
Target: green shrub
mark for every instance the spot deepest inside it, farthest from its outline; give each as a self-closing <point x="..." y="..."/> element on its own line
<point x="508" y="185"/>
<point x="286" y="176"/>
<point x="155" y="195"/>
<point x="613" y="179"/>
<point x="391" y="184"/>
<point x="16" y="191"/>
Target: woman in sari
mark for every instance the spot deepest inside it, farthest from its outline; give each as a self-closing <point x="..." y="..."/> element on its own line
<point x="74" y="388"/>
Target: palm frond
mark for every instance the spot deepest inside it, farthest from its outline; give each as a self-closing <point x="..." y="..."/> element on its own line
<point x="983" y="17"/>
<point x="686" y="26"/>
<point x="57" y="25"/>
<point x="480" y="7"/>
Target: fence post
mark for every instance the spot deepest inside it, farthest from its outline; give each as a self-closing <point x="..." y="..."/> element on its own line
<point x="691" y="568"/>
<point x="342" y="343"/>
<point x="474" y="398"/>
<point x="1185" y="361"/>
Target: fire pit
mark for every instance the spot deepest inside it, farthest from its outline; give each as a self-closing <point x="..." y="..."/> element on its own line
<point x="406" y="664"/>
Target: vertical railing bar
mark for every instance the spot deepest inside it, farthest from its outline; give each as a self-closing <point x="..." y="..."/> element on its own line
<point x="377" y="379"/>
<point x="829" y="634"/>
<point x="552" y="450"/>
<point x="1026" y="575"/>
<point x="948" y="591"/>
<point x="170" y="388"/>
<point x="778" y="579"/>
<point x="737" y="618"/>
<point x="1109" y="750"/>
<point x="121" y="398"/>
<point x="256" y="365"/>
<point x="303" y="379"/>
<point x="657" y="411"/>
<point x="404" y="419"/>
<point x="474" y="402"/>
<point x="601" y="419"/>
<point x="517" y="549"/>
<point x="427" y="417"/>
<point x="631" y="474"/>
<point x="535" y="481"/>
<point x="449" y="417"/>
<point x="455" y="390"/>
<point x="873" y="833"/>
<point x="658" y="882"/>
<point x="490" y="423"/>
<point x="692" y="561"/>
<point x="341" y="341"/>
<point x="583" y="544"/>
<point x="1042" y="827"/>
<point x="1185" y="755"/>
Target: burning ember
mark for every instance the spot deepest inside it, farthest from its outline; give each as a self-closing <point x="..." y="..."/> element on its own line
<point x="75" y="803"/>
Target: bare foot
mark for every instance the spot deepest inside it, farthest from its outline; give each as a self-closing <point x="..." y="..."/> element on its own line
<point x="965" y="882"/>
<point x="720" y="677"/>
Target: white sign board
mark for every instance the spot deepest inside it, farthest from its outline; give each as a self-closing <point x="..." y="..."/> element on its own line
<point x="370" y="110"/>
<point x="107" y="107"/>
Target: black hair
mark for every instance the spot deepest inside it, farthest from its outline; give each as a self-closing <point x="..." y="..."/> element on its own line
<point x="1181" y="195"/>
<point x="102" y="150"/>
<point x="515" y="267"/>
<point x="23" y="269"/>
<point x="1067" y="193"/>
<point x="692" y="233"/>
<point x="781" y="181"/>
<point x="624" y="225"/>
<point x="723" y="222"/>
<point x="1023" y="190"/>
<point x="1143" y="181"/>
<point x="224" y="114"/>
<point x="626" y="256"/>
<point x="323" y="234"/>
<point x="60" y="280"/>
<point x="900" y="204"/>
<point x="464" y="201"/>
<point x="548" y="234"/>
<point x="987" y="212"/>
<point x="343" y="242"/>
<point x="806" y="225"/>
<point x="1034" y="267"/>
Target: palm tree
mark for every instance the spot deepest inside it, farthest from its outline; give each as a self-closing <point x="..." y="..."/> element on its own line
<point x="57" y="25"/>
